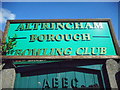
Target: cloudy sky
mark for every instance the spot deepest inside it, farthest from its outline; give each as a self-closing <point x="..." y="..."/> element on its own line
<point x="77" y="10"/>
<point x="6" y="14"/>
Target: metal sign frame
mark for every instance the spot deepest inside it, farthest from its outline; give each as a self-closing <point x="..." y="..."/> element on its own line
<point x="63" y="57"/>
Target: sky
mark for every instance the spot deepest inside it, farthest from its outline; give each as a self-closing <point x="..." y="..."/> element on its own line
<point x="59" y="10"/>
<point x="60" y="0"/>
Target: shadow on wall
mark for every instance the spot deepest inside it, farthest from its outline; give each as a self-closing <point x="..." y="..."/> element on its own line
<point x="118" y="79"/>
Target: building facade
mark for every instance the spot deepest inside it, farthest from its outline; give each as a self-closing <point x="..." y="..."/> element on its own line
<point x="70" y="53"/>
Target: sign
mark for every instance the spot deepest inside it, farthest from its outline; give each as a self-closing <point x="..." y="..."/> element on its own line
<point x="55" y="75"/>
<point x="81" y="80"/>
<point x="61" y="37"/>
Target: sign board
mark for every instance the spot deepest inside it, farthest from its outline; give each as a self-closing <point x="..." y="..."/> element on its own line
<point x="69" y="79"/>
<point x="68" y="37"/>
<point x="60" y="75"/>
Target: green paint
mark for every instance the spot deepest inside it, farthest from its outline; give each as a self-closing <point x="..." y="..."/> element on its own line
<point x="46" y="84"/>
<point x="68" y="79"/>
<point x="55" y="82"/>
<point x="36" y="62"/>
<point x="61" y="39"/>
<point x="74" y="83"/>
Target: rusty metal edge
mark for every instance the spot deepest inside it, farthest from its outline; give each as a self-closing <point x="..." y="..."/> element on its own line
<point x="56" y="20"/>
<point x="57" y="57"/>
<point x="115" y="42"/>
